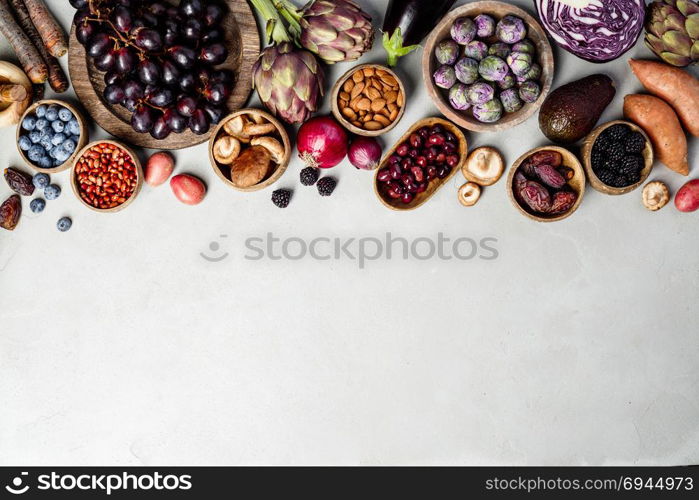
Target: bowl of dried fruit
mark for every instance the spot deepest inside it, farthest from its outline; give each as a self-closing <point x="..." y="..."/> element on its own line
<point x="106" y="176"/>
<point x="368" y="100"/>
<point x="249" y="150"/>
<point x="546" y="184"/>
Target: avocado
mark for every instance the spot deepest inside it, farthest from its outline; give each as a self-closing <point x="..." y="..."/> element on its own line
<point x="571" y="111"/>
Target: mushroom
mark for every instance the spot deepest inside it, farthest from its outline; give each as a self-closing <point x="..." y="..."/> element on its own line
<point x="15" y="94"/>
<point x="272" y="145"/>
<point x="469" y="194"/>
<point x="226" y="149"/>
<point x="655" y="195"/>
<point x="484" y="166"/>
<point x="258" y="118"/>
<point x="255" y="129"/>
<point x="235" y="127"/>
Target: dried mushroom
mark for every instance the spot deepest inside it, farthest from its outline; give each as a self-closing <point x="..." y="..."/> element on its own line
<point x="484" y="166"/>
<point x="655" y="195"/>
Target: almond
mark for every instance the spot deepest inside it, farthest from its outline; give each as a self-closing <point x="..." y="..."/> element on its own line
<point x="377" y="105"/>
<point x="372" y="125"/>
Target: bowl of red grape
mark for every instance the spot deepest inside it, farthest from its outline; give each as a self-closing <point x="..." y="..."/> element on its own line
<point x="161" y="75"/>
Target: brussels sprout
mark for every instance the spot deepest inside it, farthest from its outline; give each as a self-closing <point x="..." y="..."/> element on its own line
<point x="476" y="50"/>
<point x="445" y="77"/>
<point x="529" y="91"/>
<point x="458" y="97"/>
<point x="510" y="100"/>
<point x="534" y="73"/>
<point x="499" y="49"/>
<point x="485" y="25"/>
<point x="492" y="68"/>
<point x="519" y="62"/>
<point x="525" y="46"/>
<point x="507" y="82"/>
<point x="466" y="70"/>
<point x="510" y="29"/>
<point x="463" y="30"/>
<point x="488" y="112"/>
<point x="480" y="92"/>
<point x="446" y="52"/>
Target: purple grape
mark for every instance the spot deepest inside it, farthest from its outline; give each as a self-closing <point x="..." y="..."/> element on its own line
<point x="186" y="106"/>
<point x="213" y="14"/>
<point x="111" y="77"/>
<point x="211" y="35"/>
<point x="175" y="121"/>
<point x="160" y="97"/>
<point x="171" y="75"/>
<point x="114" y="94"/>
<point x="148" y="72"/>
<point x="148" y="39"/>
<point x="143" y="119"/>
<point x="215" y="113"/>
<point x="216" y="93"/>
<point x="192" y="29"/>
<point x="99" y="45"/>
<point x="84" y="31"/>
<point x="160" y="129"/>
<point x="125" y="60"/>
<point x="187" y="82"/>
<point x="183" y="56"/>
<point x="134" y="89"/>
<point x="106" y="62"/>
<point x="213" y="54"/>
<point x="191" y="8"/>
<point x="199" y="122"/>
<point x="122" y="18"/>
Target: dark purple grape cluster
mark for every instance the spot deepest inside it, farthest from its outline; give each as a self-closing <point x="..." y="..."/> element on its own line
<point x="159" y="60"/>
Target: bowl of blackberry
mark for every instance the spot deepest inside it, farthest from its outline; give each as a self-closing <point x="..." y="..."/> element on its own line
<point x="618" y="157"/>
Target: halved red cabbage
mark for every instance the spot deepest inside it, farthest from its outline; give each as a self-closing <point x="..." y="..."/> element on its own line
<point x="595" y="30"/>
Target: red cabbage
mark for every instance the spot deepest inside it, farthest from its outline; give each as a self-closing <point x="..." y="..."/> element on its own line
<point x="595" y="30"/>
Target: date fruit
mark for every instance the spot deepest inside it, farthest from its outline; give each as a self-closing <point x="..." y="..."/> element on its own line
<point x="10" y="211"/>
<point x="536" y="197"/>
<point x="563" y="201"/>
<point x="20" y="182"/>
<point x="546" y="157"/>
<point x="549" y="176"/>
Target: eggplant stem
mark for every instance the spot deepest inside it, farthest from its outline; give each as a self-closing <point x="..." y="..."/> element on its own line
<point x="393" y="44"/>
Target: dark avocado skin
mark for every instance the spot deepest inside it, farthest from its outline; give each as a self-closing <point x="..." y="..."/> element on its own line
<point x="571" y="111"/>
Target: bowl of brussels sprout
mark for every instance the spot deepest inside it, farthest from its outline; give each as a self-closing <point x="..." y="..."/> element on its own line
<point x="488" y="66"/>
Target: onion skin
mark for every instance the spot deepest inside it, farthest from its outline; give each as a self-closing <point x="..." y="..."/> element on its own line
<point x="365" y="153"/>
<point x="322" y="142"/>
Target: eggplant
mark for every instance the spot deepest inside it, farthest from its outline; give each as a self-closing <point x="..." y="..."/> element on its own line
<point x="407" y="22"/>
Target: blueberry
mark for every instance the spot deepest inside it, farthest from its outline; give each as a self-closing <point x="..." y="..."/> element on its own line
<point x="29" y="123"/>
<point x="36" y="152"/>
<point x="37" y="205"/>
<point x="58" y="126"/>
<point x="65" y="115"/>
<point x="52" y="113"/>
<point x="46" y="143"/>
<point x="35" y="136"/>
<point x="40" y="111"/>
<point x="73" y="127"/>
<point x="41" y="124"/>
<point x="24" y="142"/>
<point x="58" y="139"/>
<point x="56" y="163"/>
<point x="53" y="151"/>
<point x="61" y="155"/>
<point x="52" y="192"/>
<point x="40" y="181"/>
<point x="64" y="224"/>
<point x="46" y="162"/>
<point x="69" y="145"/>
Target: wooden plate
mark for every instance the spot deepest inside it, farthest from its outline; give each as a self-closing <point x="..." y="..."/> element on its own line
<point x="243" y="42"/>
<point x="577" y="183"/>
<point x="498" y="10"/>
<point x="600" y="186"/>
<point x="435" y="184"/>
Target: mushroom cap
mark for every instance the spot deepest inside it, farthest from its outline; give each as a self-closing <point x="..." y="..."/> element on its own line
<point x="484" y="166"/>
<point x="469" y="194"/>
<point x="655" y="195"/>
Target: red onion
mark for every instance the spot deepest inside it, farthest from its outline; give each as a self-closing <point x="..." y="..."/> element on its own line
<point x="322" y="142"/>
<point x="365" y="153"/>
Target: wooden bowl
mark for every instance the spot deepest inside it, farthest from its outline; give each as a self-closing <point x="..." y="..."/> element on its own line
<point x="435" y="184"/>
<point x="600" y="186"/>
<point x="335" y="93"/>
<point x="577" y="183"/>
<point x="497" y="10"/>
<point x="281" y="134"/>
<point x="139" y="176"/>
<point x="84" y="136"/>
<point x="243" y="43"/>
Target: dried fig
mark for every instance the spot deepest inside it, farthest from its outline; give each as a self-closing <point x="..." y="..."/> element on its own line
<point x="10" y="211"/>
<point x="563" y="201"/>
<point x="536" y="197"/>
<point x="548" y="157"/>
<point x="549" y="176"/>
<point x="20" y="182"/>
<point x="251" y="167"/>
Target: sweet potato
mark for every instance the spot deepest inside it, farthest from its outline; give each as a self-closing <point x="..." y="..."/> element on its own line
<point x="674" y="85"/>
<point x="660" y="122"/>
<point x="51" y="32"/>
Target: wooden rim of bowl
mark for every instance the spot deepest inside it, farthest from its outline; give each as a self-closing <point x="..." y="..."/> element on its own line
<point x="436" y="184"/>
<point x="335" y="92"/>
<point x="570" y="161"/>
<point x="278" y="172"/>
<point x="595" y="182"/>
<point x="544" y="53"/>
<point x="139" y="176"/>
<point x="84" y="135"/>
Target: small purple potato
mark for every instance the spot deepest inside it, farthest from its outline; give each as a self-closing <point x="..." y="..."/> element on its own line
<point x="480" y="92"/>
<point x="476" y="50"/>
<point x="463" y="30"/>
<point x="529" y="91"/>
<point x="446" y="52"/>
<point x="485" y="25"/>
<point x="466" y="70"/>
<point x="493" y="69"/>
<point x="488" y="112"/>
<point x="499" y="49"/>
<point x="445" y="77"/>
<point x="458" y="97"/>
<point x="510" y="100"/>
<point x="511" y="29"/>
<point x="519" y="62"/>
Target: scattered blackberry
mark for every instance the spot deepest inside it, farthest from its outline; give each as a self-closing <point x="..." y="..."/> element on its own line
<point x="281" y="197"/>
<point x="326" y="186"/>
<point x="309" y="176"/>
<point x="635" y="143"/>
<point x="631" y="165"/>
<point x="615" y="133"/>
<point x="606" y="176"/>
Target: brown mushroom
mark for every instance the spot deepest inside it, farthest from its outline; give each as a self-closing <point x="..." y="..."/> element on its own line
<point x="272" y="145"/>
<point x="469" y="194"/>
<point x="484" y="166"/>
<point x="655" y="195"/>
<point x="236" y="127"/>
<point x="226" y="149"/>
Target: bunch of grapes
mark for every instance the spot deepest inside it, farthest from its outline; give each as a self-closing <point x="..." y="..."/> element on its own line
<point x="159" y="60"/>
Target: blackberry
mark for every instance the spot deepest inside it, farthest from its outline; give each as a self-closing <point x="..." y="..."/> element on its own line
<point x="620" y="180"/>
<point x="615" y="133"/>
<point x="631" y="165"/>
<point x="281" y="197"/>
<point x="634" y="177"/>
<point x="596" y="158"/>
<point x="309" y="176"/>
<point x="326" y="186"/>
<point x="615" y="151"/>
<point x="606" y="176"/>
<point x="635" y="143"/>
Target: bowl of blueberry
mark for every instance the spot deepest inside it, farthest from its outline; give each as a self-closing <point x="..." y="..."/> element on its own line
<point x="50" y="134"/>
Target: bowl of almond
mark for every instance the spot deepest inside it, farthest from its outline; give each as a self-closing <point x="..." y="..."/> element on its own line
<point x="368" y="100"/>
<point x="249" y="150"/>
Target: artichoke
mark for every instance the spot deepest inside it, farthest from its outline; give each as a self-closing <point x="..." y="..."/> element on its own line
<point x="337" y="31"/>
<point x="289" y="81"/>
<point x="672" y="31"/>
